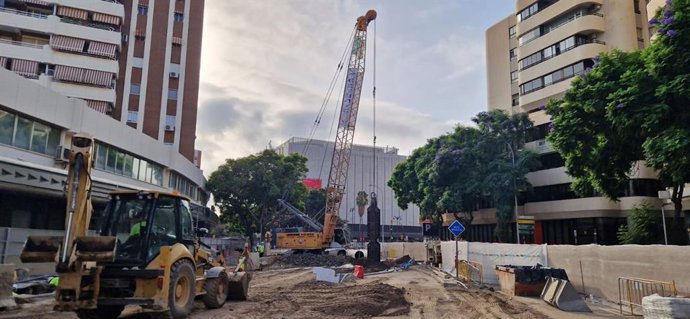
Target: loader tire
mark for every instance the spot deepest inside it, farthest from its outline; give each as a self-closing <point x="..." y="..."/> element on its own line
<point x="181" y="292"/>
<point x="102" y="312"/>
<point x="216" y="291"/>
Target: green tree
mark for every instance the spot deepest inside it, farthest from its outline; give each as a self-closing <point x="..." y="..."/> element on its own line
<point x="644" y="227"/>
<point x="315" y="203"/>
<point x="507" y="162"/>
<point x="456" y="171"/>
<point x="247" y="189"/>
<point x="631" y="107"/>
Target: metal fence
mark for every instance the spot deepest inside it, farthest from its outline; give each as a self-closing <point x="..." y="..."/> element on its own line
<point x="470" y="272"/>
<point x="632" y="290"/>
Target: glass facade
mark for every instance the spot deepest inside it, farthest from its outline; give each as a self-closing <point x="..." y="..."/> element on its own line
<point x="553" y="50"/>
<point x="553" y="24"/>
<point x="28" y="134"/>
<point x="118" y="162"/>
<point x="555" y="77"/>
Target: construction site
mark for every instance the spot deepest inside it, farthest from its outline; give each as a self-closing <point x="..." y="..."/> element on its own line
<point x="147" y="256"/>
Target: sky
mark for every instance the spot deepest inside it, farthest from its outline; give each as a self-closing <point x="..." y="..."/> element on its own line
<point x="266" y="66"/>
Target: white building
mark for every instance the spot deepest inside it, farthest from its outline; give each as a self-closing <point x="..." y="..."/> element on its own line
<point x="360" y="177"/>
<point x="36" y="122"/>
<point x="70" y="46"/>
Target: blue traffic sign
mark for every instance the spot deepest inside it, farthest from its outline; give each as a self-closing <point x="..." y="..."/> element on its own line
<point x="456" y="228"/>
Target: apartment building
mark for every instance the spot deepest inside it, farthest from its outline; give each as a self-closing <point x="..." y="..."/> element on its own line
<point x="71" y="60"/>
<point x="532" y="56"/>
<point x="395" y="222"/>
<point x="68" y="46"/>
<point x="158" y="89"/>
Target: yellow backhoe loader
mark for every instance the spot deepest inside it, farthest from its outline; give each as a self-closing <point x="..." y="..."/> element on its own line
<point x="146" y="254"/>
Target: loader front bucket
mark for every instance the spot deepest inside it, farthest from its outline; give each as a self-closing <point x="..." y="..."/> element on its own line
<point x="238" y="287"/>
<point x="561" y="294"/>
<point x="41" y="249"/>
<point x="96" y="248"/>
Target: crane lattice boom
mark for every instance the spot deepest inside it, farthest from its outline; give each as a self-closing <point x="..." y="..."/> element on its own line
<point x="337" y="178"/>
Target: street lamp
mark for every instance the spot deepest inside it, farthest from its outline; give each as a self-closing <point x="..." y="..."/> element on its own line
<point x="517" y="224"/>
<point x="662" y="196"/>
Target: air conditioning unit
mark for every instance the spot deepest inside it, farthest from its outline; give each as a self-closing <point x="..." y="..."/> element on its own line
<point x="541" y="142"/>
<point x="170" y="128"/>
<point x="175" y="75"/>
<point x="62" y="154"/>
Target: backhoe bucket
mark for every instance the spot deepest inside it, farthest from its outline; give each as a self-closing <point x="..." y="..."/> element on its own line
<point x="95" y="248"/>
<point x="41" y="249"/>
<point x="238" y="286"/>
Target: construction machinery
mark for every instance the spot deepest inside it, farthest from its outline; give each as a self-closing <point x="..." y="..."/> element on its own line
<point x="324" y="237"/>
<point x="146" y="252"/>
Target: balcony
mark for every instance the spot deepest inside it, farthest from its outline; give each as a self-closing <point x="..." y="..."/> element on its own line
<point x="45" y="54"/>
<point x="49" y="24"/>
<point x="23" y="13"/>
<point x="23" y="50"/>
<point x="577" y="24"/>
<point x="553" y="11"/>
<point x="571" y="56"/>
<point x="540" y="146"/>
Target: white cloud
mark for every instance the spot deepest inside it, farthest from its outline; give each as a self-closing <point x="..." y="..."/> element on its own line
<point x="266" y="66"/>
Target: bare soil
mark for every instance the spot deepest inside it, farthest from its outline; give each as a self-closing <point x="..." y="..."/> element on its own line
<point x="293" y="294"/>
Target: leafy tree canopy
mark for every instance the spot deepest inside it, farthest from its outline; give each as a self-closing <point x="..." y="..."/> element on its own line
<point x="456" y="171"/>
<point x="631" y="107"/>
<point x="247" y="189"/>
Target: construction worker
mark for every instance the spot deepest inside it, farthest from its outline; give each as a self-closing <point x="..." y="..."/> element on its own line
<point x="137" y="215"/>
<point x="244" y="257"/>
<point x="54" y="281"/>
<point x="260" y="249"/>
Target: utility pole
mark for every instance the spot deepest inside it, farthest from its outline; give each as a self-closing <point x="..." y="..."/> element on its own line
<point x="517" y="224"/>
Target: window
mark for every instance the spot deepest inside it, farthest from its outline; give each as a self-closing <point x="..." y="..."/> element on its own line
<point x="132" y="116"/>
<point x="170" y="120"/>
<point x="110" y="159"/>
<point x="143" y="10"/>
<point x="511" y="32"/>
<point x="22" y="136"/>
<point x="6" y="127"/>
<point x="163" y="231"/>
<point x="172" y="94"/>
<point x="528" y="12"/>
<point x="179" y="17"/>
<point x="555" y="76"/>
<point x="135" y="89"/>
<point x="512" y="54"/>
<point x="636" y="4"/>
<point x="122" y="163"/>
<point x="529" y="36"/>
<point x="100" y="156"/>
<point x="39" y="138"/>
<point x="186" y="221"/>
<point x="513" y="77"/>
<point x="516" y="99"/>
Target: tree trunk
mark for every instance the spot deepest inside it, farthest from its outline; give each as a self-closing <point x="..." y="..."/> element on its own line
<point x="678" y="236"/>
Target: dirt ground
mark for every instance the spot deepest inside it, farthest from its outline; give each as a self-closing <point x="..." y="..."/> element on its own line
<point x="293" y="294"/>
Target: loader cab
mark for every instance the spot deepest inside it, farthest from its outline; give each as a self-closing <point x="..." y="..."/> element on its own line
<point x="143" y="222"/>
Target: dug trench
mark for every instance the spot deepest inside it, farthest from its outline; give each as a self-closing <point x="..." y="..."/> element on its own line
<point x="294" y="294"/>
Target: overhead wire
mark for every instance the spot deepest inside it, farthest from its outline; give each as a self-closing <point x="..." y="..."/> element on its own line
<point x="324" y="104"/>
<point x="374" y="182"/>
<point x="329" y="92"/>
